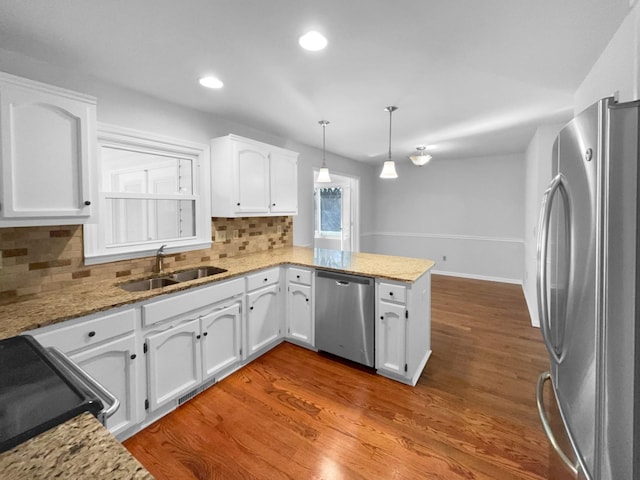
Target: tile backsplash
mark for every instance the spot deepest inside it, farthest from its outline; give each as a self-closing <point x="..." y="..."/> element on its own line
<point x="45" y="259"/>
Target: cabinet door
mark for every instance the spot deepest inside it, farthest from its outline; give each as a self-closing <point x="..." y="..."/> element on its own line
<point x="46" y="143"/>
<point x="220" y="339"/>
<point x="391" y="338"/>
<point x="252" y="178"/>
<point x="117" y="366"/>
<point x="299" y="313"/>
<point x="175" y="363"/>
<point x="263" y="318"/>
<point x="284" y="183"/>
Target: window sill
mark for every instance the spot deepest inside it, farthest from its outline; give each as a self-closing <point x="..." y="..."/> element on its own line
<point x="145" y="251"/>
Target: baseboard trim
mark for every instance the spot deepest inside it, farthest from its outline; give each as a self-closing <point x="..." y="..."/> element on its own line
<point x="514" y="281"/>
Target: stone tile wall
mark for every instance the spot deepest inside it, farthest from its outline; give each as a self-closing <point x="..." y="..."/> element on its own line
<point x="45" y="259"/>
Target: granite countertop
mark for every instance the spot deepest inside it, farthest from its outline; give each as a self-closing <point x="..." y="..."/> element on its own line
<point x="81" y="300"/>
<point x="82" y="447"/>
<point x="78" y="448"/>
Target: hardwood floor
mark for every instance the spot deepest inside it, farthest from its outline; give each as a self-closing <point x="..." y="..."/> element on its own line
<point x="298" y="414"/>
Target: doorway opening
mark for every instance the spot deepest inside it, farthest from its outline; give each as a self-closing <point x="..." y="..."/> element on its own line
<point x="336" y="213"/>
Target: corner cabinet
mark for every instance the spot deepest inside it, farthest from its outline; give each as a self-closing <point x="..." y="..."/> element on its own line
<point x="252" y="179"/>
<point x="48" y="140"/>
<point x="403" y="328"/>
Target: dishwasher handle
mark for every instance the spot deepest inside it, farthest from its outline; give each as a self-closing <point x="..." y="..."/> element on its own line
<point x="342" y="279"/>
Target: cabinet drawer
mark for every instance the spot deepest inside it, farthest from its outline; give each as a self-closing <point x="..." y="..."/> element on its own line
<point x="260" y="279"/>
<point x="90" y="332"/>
<point x="183" y="302"/>
<point x="300" y="275"/>
<point x="393" y="293"/>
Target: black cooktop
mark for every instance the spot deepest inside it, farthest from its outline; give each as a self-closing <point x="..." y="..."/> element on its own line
<point x="36" y="393"/>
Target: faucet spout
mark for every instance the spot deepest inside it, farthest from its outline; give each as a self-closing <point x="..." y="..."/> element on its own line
<point x="159" y="266"/>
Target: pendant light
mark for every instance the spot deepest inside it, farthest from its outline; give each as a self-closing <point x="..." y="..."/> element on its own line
<point x="323" y="174"/>
<point x="421" y="157"/>
<point x="389" y="167"/>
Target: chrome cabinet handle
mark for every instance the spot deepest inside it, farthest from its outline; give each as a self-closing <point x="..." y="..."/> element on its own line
<point x="557" y="184"/>
<point x="573" y="467"/>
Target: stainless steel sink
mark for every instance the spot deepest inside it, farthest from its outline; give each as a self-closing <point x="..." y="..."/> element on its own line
<point x="171" y="279"/>
<point x="148" y="284"/>
<point x="194" y="273"/>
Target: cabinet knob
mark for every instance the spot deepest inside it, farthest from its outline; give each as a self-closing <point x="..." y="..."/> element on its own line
<point x="266" y="279"/>
<point x="306" y="299"/>
<point x="92" y="333"/>
<point x="87" y="203"/>
<point x="238" y="204"/>
<point x="297" y="276"/>
<point x="273" y="205"/>
<point x="250" y="308"/>
<point x="205" y="334"/>
<point x="133" y="357"/>
<point x="198" y="337"/>
<point x="391" y="294"/>
<point x="382" y="318"/>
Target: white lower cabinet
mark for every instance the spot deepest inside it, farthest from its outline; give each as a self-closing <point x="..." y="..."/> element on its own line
<point x="174" y="362"/>
<point x="300" y="311"/>
<point x="391" y="335"/>
<point x="105" y="346"/>
<point x="116" y="366"/>
<point x="221" y="339"/>
<point x="263" y="318"/>
<point x="403" y="328"/>
<point x="187" y="350"/>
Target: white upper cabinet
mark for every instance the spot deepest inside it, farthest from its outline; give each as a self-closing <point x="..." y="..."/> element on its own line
<point x="48" y="138"/>
<point x="252" y="179"/>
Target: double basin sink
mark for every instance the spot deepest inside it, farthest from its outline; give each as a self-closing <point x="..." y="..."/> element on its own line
<point x="171" y="279"/>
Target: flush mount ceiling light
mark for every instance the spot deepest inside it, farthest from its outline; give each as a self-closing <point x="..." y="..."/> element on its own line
<point x="323" y="174"/>
<point x="421" y="157"/>
<point x="389" y="167"/>
<point x="313" y="41"/>
<point x="211" y="82"/>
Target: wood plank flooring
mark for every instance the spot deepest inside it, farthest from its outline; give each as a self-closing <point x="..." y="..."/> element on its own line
<point x="297" y="414"/>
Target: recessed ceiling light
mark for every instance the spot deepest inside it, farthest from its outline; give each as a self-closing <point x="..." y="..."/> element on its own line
<point x="211" y="82"/>
<point x="313" y="41"/>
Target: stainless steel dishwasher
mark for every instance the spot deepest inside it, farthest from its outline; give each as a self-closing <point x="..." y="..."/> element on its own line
<point x="345" y="316"/>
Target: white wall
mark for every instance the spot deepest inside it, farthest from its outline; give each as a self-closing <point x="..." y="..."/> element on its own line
<point x="538" y="176"/>
<point x="617" y="70"/>
<point x="128" y="108"/>
<point x="469" y="210"/>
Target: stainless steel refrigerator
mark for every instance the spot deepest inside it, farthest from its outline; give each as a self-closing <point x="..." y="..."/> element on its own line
<point x="588" y="285"/>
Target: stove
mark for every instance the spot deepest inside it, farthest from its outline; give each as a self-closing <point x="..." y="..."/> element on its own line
<point x="37" y="392"/>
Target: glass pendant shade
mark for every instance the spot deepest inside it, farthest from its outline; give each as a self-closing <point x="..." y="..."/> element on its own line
<point x="389" y="170"/>
<point x="421" y="157"/>
<point x="323" y="174"/>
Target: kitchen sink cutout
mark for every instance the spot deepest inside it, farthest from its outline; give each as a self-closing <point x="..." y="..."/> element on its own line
<point x="171" y="279"/>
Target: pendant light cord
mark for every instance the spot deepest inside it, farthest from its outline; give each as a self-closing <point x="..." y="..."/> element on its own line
<point x="324" y="125"/>
<point x="390" y="113"/>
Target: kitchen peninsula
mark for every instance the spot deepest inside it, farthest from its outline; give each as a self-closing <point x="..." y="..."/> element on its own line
<point x="407" y="278"/>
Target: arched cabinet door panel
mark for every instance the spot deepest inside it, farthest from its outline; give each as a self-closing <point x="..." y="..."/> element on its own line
<point x="48" y="141"/>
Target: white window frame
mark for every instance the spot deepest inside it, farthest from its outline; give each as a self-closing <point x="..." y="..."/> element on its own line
<point x="95" y="248"/>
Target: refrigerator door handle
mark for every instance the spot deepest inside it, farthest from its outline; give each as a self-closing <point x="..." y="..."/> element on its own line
<point x="575" y="468"/>
<point x="557" y="184"/>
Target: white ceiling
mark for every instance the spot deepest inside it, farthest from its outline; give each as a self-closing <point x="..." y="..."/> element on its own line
<point x="470" y="77"/>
